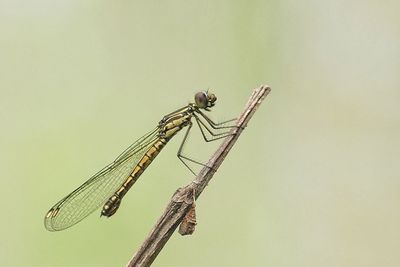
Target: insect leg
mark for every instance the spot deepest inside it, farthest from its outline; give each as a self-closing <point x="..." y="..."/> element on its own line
<point x="182" y="157"/>
<point x="215" y="136"/>
<point x="216" y="125"/>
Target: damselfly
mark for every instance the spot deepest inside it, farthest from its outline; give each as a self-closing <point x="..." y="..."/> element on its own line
<point x="109" y="185"/>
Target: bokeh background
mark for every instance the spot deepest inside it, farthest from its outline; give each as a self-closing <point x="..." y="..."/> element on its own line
<point x="313" y="181"/>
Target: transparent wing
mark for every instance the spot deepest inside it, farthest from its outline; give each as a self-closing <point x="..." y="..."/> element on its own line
<point x="95" y="192"/>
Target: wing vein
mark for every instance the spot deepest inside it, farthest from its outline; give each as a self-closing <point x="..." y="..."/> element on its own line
<point x="94" y="192"/>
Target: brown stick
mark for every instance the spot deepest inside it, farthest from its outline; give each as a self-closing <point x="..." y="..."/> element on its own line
<point x="183" y="198"/>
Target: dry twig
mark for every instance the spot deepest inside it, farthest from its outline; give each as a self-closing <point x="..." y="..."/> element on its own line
<point x="182" y="201"/>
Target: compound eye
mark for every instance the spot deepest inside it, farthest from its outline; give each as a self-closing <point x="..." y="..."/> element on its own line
<point x="201" y="99"/>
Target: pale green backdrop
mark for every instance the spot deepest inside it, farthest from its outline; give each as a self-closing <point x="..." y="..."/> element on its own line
<point x="313" y="181"/>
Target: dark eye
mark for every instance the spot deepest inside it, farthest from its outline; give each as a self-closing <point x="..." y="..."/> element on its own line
<point x="201" y="99"/>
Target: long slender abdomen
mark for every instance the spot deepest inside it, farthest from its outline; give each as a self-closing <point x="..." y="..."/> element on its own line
<point x="112" y="204"/>
<point x="169" y="129"/>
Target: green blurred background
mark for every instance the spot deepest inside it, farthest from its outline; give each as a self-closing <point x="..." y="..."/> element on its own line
<point x="313" y="181"/>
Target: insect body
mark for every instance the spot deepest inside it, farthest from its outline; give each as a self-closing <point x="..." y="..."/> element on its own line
<point x="109" y="185"/>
